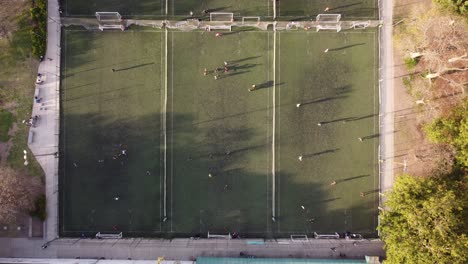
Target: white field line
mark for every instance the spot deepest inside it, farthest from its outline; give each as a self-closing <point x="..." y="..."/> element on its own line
<point x="273" y="202"/>
<point x="164" y="127"/>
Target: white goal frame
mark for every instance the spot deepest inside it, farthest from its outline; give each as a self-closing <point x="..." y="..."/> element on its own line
<point x="328" y="22"/>
<point x="248" y="18"/>
<point x="218" y="27"/>
<point x="360" y="24"/>
<point x="108" y="17"/>
<point x="228" y="236"/>
<point x="109" y="20"/>
<point x="326" y="236"/>
<point x="221" y="14"/>
<point x="100" y="235"/>
<point x="299" y="238"/>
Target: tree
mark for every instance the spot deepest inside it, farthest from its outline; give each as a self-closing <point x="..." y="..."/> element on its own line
<point x="458" y="6"/>
<point x="440" y="43"/>
<point x="424" y="220"/>
<point x="17" y="194"/>
<point x="452" y="130"/>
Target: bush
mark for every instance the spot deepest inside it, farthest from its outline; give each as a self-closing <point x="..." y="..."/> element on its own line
<point x="39" y="208"/>
<point x="411" y="63"/>
<point x="452" y="130"/>
<point x="38" y="15"/>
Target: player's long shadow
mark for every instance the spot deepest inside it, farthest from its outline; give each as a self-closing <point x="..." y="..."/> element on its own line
<point x="320" y="153"/>
<point x="134" y="67"/>
<point x="243" y="66"/>
<point x="371" y="136"/>
<point x="244" y="59"/>
<point x="344" y="6"/>
<point x="352" y="178"/>
<point x="347" y="119"/>
<point x="346" y="47"/>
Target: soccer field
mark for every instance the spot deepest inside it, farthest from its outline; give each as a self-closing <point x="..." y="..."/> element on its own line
<point x="206" y="153"/>
<point x="111" y="102"/>
<point x="285" y="9"/>
<point x="218" y="127"/>
<point x="338" y="97"/>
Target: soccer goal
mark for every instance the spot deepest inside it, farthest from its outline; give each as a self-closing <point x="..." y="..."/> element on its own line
<point x="328" y="22"/>
<point x="218" y="27"/>
<point x="326" y="236"/>
<point x="108" y="17"/>
<point x="299" y="238"/>
<point x="100" y="235"/>
<point x="228" y="236"/>
<point x="221" y="17"/>
<point x="360" y="24"/>
<point x="109" y="20"/>
<point x="250" y="20"/>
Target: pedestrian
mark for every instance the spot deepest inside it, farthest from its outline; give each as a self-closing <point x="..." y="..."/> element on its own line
<point x="333" y="183"/>
<point x="298" y="105"/>
<point x="319" y="124"/>
<point x="360" y="139"/>
<point x="226" y="69"/>
<point x="327" y="9"/>
<point x="216" y="77"/>
<point x="218" y="34"/>
<point x="225" y="63"/>
<point x="362" y="194"/>
<point x="210" y="175"/>
<point x="113" y="70"/>
<point x="300" y="158"/>
<point x="252" y="88"/>
<point x="148" y="172"/>
<point x="74" y="164"/>
<point x="326" y="50"/>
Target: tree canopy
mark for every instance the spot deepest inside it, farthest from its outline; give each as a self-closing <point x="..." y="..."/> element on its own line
<point x="457" y="6"/>
<point x="425" y="220"/>
<point x="452" y="130"/>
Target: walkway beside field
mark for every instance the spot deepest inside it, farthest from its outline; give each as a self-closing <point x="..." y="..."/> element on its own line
<point x="44" y="138"/>
<point x="386" y="70"/>
<point x="187" y="249"/>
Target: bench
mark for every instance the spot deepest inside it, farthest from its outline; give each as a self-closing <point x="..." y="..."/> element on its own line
<point x="30" y="136"/>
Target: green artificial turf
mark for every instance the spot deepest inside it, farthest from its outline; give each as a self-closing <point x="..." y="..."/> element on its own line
<point x="337" y="89"/>
<point x="218" y="127"/>
<point x="285" y="10"/>
<point x="205" y="126"/>
<point x="349" y="9"/>
<point x="103" y="113"/>
<point x="263" y="8"/>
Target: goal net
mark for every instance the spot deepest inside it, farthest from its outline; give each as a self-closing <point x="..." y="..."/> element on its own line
<point x="360" y="24"/>
<point x="108" y="17"/>
<point x="219" y="27"/>
<point x="228" y="236"/>
<point x="250" y="20"/>
<point x="326" y="236"/>
<point x="328" y="22"/>
<point x="299" y="238"/>
<point x="100" y="235"/>
<point x="110" y="20"/>
<point x="221" y="17"/>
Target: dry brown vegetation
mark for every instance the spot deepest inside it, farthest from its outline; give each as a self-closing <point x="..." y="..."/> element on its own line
<point x="430" y="85"/>
<point x="17" y="194"/>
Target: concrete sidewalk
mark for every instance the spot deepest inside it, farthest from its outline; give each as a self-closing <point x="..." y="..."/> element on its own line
<point x="187" y="249"/>
<point x="45" y="134"/>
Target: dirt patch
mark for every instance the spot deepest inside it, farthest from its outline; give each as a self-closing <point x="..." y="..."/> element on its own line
<point x="10" y="9"/>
